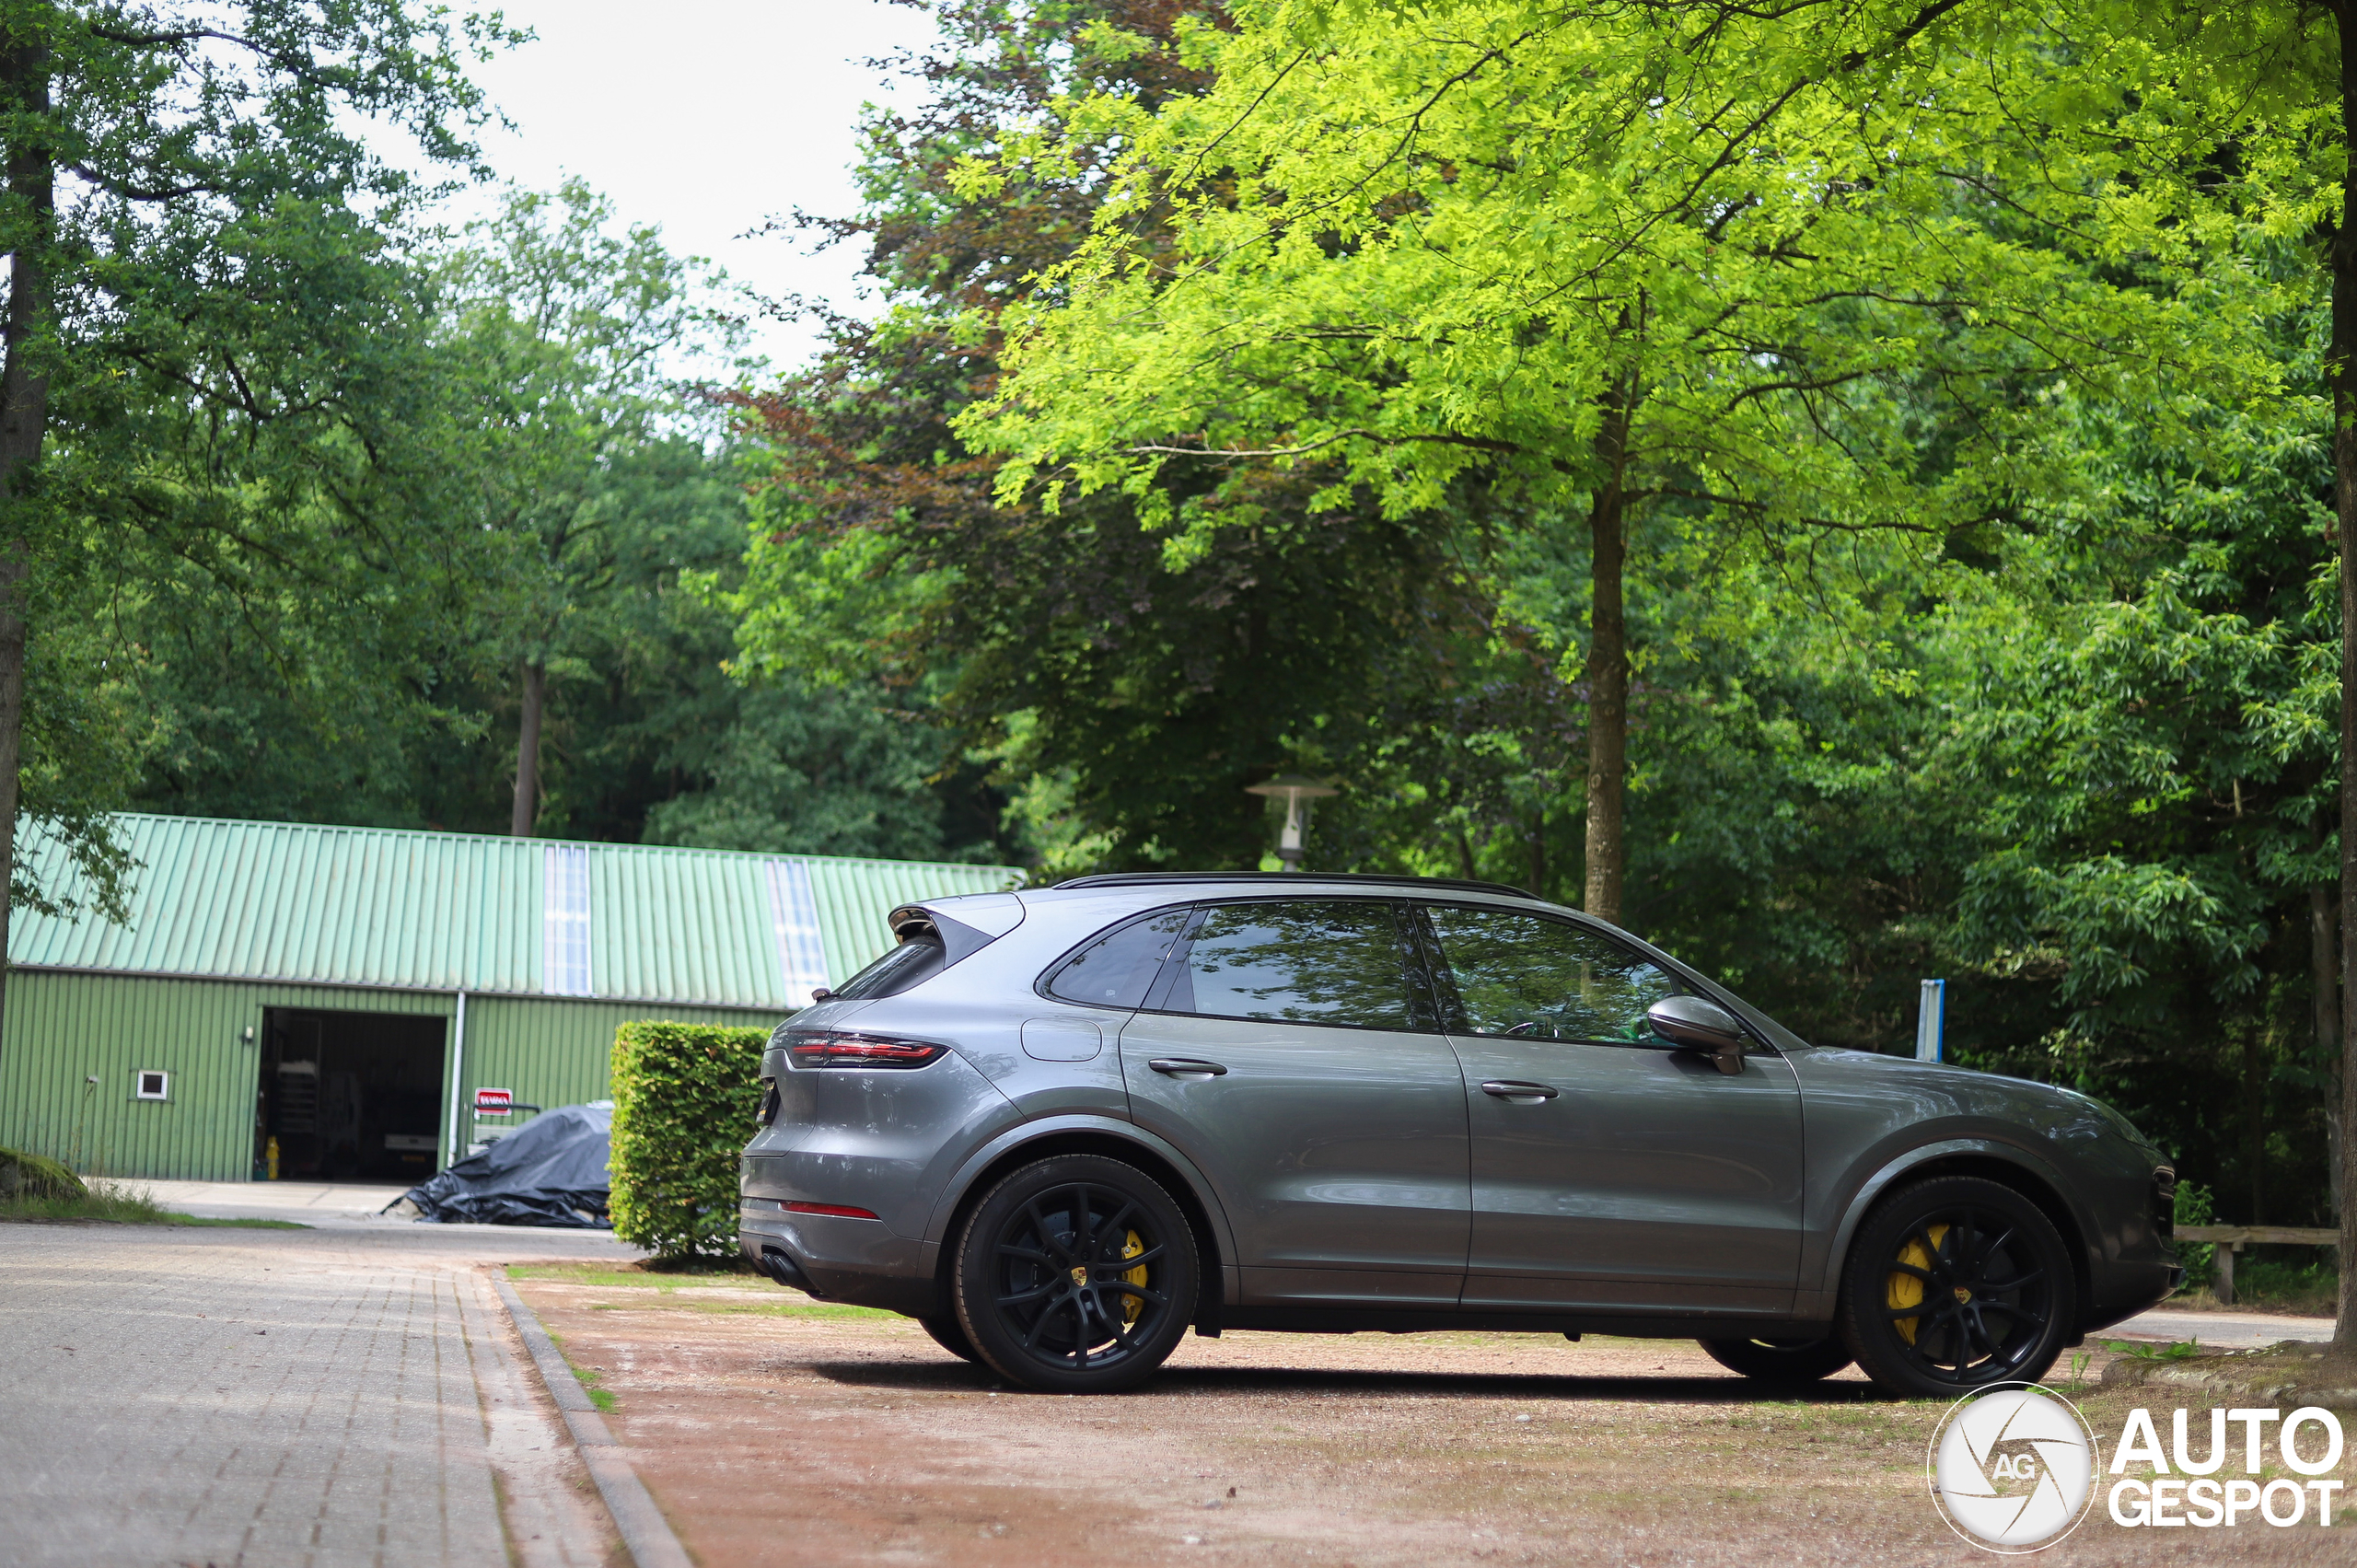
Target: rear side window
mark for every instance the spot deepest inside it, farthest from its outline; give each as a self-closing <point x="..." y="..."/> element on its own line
<point x="1539" y="979"/>
<point x="917" y="958"/>
<point x="1116" y="970"/>
<point x="1312" y="962"/>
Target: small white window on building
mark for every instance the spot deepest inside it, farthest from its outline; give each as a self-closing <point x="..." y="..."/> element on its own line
<point x="150" y="1084"/>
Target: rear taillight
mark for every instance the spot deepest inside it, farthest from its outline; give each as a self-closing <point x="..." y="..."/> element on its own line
<point x="808" y="1050"/>
<point x="840" y="1210"/>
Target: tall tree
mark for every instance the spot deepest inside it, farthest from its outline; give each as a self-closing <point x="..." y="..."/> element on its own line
<point x="574" y="337"/>
<point x="1125" y="697"/>
<point x="204" y="320"/>
<point x="1683" y="268"/>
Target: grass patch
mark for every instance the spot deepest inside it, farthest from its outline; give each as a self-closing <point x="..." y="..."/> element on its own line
<point x="628" y="1276"/>
<point x="668" y="1282"/>
<point x="2178" y="1349"/>
<point x="756" y="1308"/>
<point x="115" y="1208"/>
<point x="587" y="1377"/>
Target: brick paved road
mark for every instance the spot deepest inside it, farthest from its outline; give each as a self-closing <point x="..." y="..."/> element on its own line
<point x="260" y="1398"/>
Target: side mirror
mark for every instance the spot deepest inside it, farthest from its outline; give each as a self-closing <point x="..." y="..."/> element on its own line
<point x="1697" y="1023"/>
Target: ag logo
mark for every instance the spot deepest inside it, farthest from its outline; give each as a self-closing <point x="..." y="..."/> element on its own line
<point x="2012" y="1468"/>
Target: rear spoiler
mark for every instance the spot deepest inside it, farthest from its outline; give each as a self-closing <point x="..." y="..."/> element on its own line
<point x="963" y="925"/>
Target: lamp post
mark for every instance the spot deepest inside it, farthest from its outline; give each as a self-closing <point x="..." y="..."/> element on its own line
<point x="1295" y="788"/>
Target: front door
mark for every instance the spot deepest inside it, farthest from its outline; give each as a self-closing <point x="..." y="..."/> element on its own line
<point x="1285" y="1051"/>
<point x="1610" y="1172"/>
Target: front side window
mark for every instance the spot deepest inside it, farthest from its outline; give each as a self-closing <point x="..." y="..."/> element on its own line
<point x="1310" y="961"/>
<point x="1534" y="978"/>
<point x="1116" y="970"/>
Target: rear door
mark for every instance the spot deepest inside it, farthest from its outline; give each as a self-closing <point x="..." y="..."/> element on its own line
<point x="1291" y="1052"/>
<point x="1609" y="1170"/>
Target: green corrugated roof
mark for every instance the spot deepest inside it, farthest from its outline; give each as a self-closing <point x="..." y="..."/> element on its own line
<point x="458" y="911"/>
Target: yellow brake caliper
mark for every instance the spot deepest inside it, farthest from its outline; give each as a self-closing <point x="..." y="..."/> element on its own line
<point x="1905" y="1290"/>
<point x="1132" y="1305"/>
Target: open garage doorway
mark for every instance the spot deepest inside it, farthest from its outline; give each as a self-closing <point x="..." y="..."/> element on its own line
<point x="350" y="1097"/>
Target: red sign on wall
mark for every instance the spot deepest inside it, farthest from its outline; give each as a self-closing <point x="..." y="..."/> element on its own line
<point x="494" y="1102"/>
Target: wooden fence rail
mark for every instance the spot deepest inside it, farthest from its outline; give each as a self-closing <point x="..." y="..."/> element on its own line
<point x="2231" y="1240"/>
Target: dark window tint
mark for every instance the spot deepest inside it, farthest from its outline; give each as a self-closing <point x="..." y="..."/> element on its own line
<point x="1315" y="963"/>
<point x="897" y="970"/>
<point x="1115" y="970"/>
<point x="1520" y="974"/>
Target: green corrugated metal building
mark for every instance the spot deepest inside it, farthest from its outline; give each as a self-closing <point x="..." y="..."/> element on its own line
<point x="347" y="991"/>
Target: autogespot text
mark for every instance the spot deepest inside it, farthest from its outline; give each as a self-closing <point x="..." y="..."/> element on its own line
<point x="2183" y="1487"/>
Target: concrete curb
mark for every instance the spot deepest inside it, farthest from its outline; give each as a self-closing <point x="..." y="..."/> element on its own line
<point x="645" y="1533"/>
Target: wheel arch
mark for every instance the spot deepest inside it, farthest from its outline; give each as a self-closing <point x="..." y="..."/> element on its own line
<point x="1165" y="1164"/>
<point x="1995" y="1163"/>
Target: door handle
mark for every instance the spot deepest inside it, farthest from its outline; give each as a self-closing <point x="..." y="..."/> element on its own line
<point x="1186" y="1067"/>
<point x="1520" y="1094"/>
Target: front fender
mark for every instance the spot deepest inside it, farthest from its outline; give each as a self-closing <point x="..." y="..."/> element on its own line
<point x="1819" y="1293"/>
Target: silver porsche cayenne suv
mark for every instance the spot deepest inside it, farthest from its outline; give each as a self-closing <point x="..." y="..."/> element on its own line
<point x="1060" y="1127"/>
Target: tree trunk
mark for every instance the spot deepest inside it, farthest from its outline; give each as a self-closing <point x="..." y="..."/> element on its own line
<point x="1608" y="665"/>
<point x="2324" y="996"/>
<point x="528" y="751"/>
<point x="1539" y="851"/>
<point x="2255" y="1124"/>
<point x="2343" y="371"/>
<point x="24" y="416"/>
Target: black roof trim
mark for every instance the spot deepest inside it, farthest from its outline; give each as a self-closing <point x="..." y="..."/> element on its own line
<point x="1292" y="878"/>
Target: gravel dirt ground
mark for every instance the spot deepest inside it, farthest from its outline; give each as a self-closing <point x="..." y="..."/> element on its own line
<point x="776" y="1430"/>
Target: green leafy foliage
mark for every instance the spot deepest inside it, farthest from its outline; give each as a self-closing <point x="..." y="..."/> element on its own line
<point x="211" y="367"/>
<point x="685" y="1098"/>
<point x="2194" y="1207"/>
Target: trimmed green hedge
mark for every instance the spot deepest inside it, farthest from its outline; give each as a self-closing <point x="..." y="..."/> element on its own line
<point x="685" y="1100"/>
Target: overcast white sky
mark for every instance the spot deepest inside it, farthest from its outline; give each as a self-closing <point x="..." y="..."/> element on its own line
<point x="704" y="117"/>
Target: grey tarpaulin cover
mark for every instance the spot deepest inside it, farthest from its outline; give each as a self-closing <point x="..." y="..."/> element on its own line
<point x="550" y="1171"/>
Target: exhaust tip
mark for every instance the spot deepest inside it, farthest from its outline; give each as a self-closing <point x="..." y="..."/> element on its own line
<point x="780" y="1266"/>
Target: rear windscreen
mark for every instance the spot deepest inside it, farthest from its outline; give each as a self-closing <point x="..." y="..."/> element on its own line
<point x="917" y="958"/>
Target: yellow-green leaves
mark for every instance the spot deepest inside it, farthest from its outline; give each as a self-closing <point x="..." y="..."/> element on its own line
<point x="1833" y="260"/>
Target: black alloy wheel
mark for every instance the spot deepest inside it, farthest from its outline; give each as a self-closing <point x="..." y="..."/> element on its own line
<point x="1076" y="1275"/>
<point x="946" y="1333"/>
<point x="1780" y="1361"/>
<point x="1956" y="1282"/>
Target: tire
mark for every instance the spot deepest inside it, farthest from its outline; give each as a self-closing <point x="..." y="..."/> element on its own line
<point x="1990" y="1272"/>
<point x="1048" y="1281"/>
<point x="1782" y="1362"/>
<point x="950" y="1337"/>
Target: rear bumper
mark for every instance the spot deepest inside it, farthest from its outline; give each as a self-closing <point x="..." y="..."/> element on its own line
<point x="857" y="1263"/>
